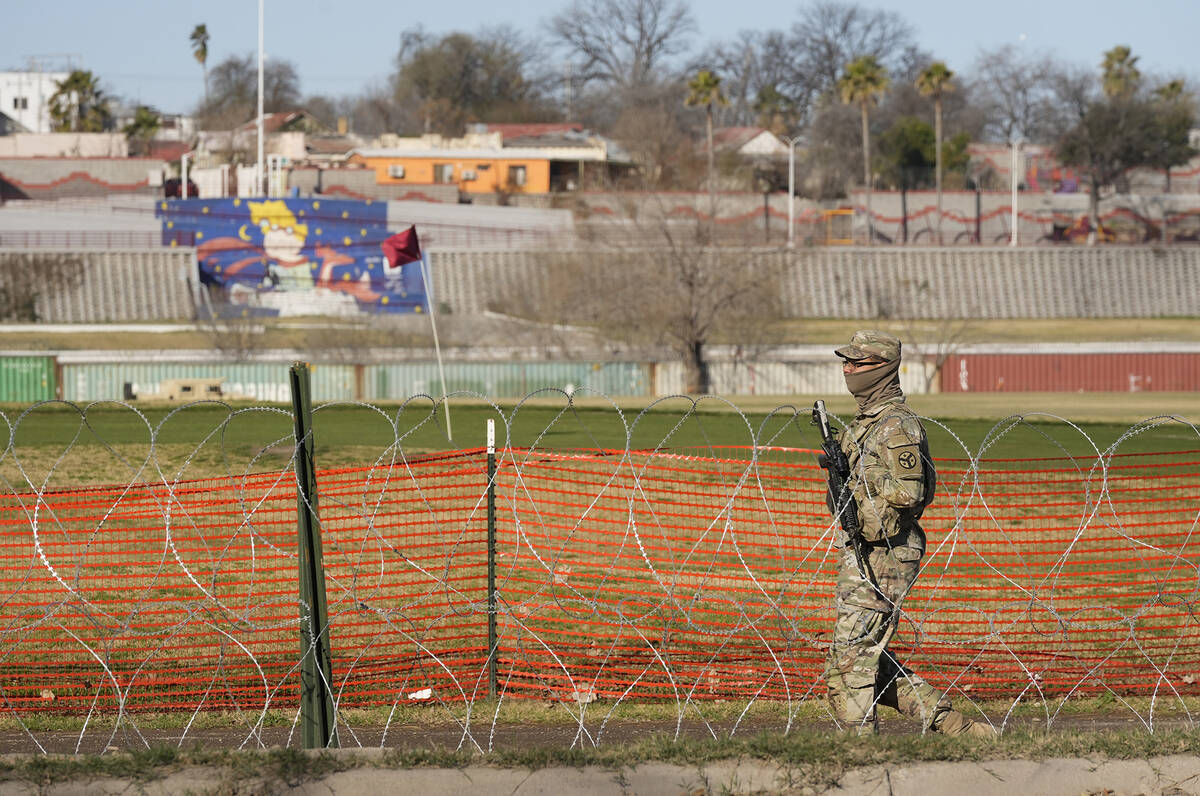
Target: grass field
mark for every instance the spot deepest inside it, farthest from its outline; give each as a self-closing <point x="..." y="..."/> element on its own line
<point x="315" y="334"/>
<point x="207" y="439"/>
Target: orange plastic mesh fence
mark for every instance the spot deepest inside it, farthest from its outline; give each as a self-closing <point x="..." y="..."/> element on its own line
<point x="619" y="575"/>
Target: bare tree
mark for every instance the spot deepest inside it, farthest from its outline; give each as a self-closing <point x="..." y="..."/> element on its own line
<point x="234" y="88"/>
<point x="934" y="341"/>
<point x="831" y="34"/>
<point x="1018" y="94"/>
<point x="236" y="336"/>
<point x="26" y="277"/>
<point x="658" y="138"/>
<point x="755" y="68"/>
<point x="664" y="288"/>
<point x="623" y="42"/>
<point x="373" y="112"/>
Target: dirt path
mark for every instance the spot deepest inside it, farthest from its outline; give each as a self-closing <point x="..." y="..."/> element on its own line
<point x="451" y="736"/>
<point x="367" y="775"/>
<point x="1160" y="776"/>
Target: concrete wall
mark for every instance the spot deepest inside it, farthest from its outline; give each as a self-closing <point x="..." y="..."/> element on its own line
<point x="54" y="178"/>
<point x="895" y="282"/>
<point x="853" y="283"/>
<point x="1133" y="218"/>
<point x="360" y="184"/>
<point x="64" y="145"/>
<point x="107" y="286"/>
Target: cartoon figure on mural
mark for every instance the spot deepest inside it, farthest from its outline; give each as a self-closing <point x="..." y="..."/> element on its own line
<point x="294" y="256"/>
<point x="283" y="242"/>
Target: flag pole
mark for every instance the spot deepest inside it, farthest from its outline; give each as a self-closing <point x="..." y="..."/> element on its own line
<point x="427" y="277"/>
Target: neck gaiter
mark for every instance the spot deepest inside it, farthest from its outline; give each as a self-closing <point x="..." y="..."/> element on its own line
<point x="869" y="387"/>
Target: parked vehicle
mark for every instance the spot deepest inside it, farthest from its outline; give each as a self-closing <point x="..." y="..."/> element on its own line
<point x="171" y="188"/>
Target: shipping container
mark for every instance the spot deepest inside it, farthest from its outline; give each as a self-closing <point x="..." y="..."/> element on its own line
<point x="803" y="377"/>
<point x="398" y="381"/>
<point x="258" y="381"/>
<point x="1067" y="372"/>
<point x="268" y="381"/>
<point x="26" y="380"/>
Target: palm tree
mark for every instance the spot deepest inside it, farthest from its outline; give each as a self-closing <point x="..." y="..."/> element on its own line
<point x="705" y="89"/>
<point x="862" y="82"/>
<point x="78" y="105"/>
<point x="1170" y="91"/>
<point x="1121" y="75"/>
<point x="199" y="40"/>
<point x="934" y="81"/>
<point x="141" y="129"/>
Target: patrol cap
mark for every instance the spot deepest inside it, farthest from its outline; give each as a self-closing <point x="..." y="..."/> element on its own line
<point x="871" y="344"/>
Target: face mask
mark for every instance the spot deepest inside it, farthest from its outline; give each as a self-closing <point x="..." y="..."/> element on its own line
<point x="869" y="387"/>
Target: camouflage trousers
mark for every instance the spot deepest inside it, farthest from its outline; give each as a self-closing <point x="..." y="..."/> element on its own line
<point x="860" y="670"/>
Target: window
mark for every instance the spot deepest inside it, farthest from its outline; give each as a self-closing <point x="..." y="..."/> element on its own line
<point x="468" y="175"/>
<point x="396" y="171"/>
<point x="516" y="175"/>
<point x="443" y="172"/>
<point x="20" y="103"/>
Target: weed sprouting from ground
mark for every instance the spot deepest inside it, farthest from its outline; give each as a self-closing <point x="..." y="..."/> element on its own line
<point x="816" y="758"/>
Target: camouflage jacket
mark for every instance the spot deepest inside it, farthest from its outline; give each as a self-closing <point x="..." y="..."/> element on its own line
<point x="893" y="477"/>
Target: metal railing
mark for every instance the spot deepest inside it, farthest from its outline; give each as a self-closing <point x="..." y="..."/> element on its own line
<point x="93" y="239"/>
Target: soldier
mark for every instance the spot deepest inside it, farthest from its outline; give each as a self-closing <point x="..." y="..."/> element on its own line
<point x="892" y="480"/>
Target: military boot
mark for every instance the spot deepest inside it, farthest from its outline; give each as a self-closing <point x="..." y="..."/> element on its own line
<point x="868" y="726"/>
<point x="954" y="723"/>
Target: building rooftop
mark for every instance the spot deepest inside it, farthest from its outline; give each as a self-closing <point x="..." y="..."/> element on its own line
<point x="575" y="152"/>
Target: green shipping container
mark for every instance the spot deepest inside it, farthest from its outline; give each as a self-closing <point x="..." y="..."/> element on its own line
<point x="26" y="380"/>
<point x="265" y="382"/>
<point x="505" y="379"/>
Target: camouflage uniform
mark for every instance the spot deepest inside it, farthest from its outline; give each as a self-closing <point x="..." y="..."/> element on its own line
<point x="893" y="480"/>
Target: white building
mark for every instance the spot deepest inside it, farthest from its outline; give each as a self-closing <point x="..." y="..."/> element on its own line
<point x="25" y="99"/>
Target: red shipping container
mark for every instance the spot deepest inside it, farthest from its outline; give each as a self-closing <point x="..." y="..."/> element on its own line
<point x="1116" y="372"/>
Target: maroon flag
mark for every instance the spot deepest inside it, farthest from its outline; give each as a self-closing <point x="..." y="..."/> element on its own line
<point x="402" y="248"/>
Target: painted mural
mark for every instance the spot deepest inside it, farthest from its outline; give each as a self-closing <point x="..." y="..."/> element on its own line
<point x="293" y="256"/>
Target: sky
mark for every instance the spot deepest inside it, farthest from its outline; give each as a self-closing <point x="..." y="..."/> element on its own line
<point x="140" y="49"/>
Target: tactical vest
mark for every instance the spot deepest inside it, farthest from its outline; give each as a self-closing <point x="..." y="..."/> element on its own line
<point x="879" y="519"/>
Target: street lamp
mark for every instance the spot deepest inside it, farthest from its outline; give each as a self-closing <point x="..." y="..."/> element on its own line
<point x="791" y="234"/>
<point x="1013" y="178"/>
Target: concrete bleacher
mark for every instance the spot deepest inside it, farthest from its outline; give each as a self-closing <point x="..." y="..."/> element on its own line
<point x="1075" y="282"/>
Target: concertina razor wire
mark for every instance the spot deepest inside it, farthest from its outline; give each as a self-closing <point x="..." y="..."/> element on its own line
<point x="674" y="555"/>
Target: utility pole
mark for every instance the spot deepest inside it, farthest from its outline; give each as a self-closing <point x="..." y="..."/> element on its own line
<point x="260" y="174"/>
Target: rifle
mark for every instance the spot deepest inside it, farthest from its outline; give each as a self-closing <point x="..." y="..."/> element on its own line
<point x="833" y="460"/>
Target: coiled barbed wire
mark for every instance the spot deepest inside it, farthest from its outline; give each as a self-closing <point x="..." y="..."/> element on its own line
<point x="687" y="567"/>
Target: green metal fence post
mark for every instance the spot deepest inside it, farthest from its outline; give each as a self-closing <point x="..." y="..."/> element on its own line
<point x="316" y="702"/>
<point x="491" y="557"/>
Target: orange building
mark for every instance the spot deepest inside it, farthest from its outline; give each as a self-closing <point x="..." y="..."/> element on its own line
<point x="482" y="164"/>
